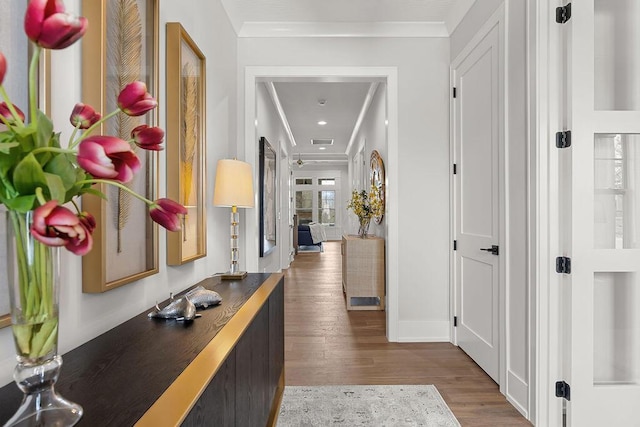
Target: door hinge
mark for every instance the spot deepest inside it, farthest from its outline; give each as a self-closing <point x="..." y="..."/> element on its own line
<point x="563" y="13"/>
<point x="455" y="168"/>
<point x="563" y="390"/>
<point x="455" y="92"/>
<point x="455" y="321"/>
<point x="563" y="139"/>
<point x="563" y="265"/>
<point x="455" y="245"/>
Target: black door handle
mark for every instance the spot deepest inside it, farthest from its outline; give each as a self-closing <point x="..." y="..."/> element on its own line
<point x="494" y="249"/>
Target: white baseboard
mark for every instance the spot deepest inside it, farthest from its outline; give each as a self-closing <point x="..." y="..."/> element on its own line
<point x="518" y="393"/>
<point x="423" y="331"/>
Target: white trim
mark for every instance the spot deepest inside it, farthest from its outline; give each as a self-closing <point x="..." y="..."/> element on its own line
<point x="252" y="75"/>
<point x="548" y="408"/>
<point x="283" y="117"/>
<point x="363" y="112"/>
<point x="423" y="331"/>
<point x="343" y="29"/>
<point x="518" y="392"/>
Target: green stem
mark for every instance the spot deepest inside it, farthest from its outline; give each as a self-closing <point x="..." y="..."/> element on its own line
<point x="33" y="69"/>
<point x="116" y="184"/>
<point x="11" y="107"/>
<point x="53" y="150"/>
<point x="73" y="135"/>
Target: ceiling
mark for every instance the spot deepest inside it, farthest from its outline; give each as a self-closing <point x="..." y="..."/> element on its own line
<point x="346" y="101"/>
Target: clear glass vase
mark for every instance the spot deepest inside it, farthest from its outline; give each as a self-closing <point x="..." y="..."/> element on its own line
<point x="363" y="230"/>
<point x="33" y="290"/>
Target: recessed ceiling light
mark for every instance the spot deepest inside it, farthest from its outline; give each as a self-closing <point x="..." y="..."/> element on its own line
<point x="322" y="122"/>
<point x="322" y="148"/>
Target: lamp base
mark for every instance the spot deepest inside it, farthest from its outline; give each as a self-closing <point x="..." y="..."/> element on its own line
<point x="233" y="276"/>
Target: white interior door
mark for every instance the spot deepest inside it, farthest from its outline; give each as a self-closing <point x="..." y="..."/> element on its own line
<point x="601" y="295"/>
<point x="477" y="202"/>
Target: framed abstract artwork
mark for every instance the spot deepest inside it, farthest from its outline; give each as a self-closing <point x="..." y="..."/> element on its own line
<point x="268" y="212"/>
<point x="18" y="51"/>
<point x="121" y="46"/>
<point x="186" y="72"/>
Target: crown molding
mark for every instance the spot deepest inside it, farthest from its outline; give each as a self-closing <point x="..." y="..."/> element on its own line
<point x="343" y="29"/>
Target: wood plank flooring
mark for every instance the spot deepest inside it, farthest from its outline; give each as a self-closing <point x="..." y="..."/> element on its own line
<point x="327" y="345"/>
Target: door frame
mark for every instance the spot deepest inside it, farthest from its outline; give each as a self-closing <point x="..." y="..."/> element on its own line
<point x="546" y="71"/>
<point x="254" y="74"/>
<point x="497" y="19"/>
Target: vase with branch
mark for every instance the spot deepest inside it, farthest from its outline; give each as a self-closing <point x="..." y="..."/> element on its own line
<point x="40" y="181"/>
<point x="365" y="206"/>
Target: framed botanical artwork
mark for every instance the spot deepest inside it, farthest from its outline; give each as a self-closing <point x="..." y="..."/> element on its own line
<point x="121" y="46"/>
<point x="268" y="236"/>
<point x="186" y="72"/>
<point x="18" y="51"/>
<point x="378" y="180"/>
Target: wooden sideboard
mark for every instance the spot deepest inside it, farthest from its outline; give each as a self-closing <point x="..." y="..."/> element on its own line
<point x="363" y="272"/>
<point x="225" y="368"/>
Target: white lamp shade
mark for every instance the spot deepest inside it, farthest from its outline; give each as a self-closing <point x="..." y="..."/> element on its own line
<point x="234" y="184"/>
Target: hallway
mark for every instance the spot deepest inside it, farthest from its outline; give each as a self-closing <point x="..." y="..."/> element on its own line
<point x="325" y="344"/>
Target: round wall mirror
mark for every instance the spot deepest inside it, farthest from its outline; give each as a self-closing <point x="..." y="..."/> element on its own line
<point x="377" y="180"/>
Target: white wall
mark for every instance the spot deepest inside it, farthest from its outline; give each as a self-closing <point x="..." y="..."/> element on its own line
<point x="85" y="316"/>
<point x="423" y="134"/>
<point x="373" y="135"/>
<point x="516" y="253"/>
<point x="270" y="127"/>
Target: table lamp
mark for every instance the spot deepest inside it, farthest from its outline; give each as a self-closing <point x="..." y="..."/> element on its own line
<point x="233" y="188"/>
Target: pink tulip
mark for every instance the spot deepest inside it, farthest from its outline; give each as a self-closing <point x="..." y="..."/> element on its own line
<point x="47" y="24"/>
<point x="134" y="100"/>
<point x="148" y="137"/>
<point x="108" y="157"/>
<point x="165" y="212"/>
<point x="84" y="116"/>
<point x="6" y="113"/>
<point x="3" y="67"/>
<point x="55" y="225"/>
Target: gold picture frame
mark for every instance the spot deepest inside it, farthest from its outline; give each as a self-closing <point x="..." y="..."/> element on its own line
<point x="18" y="52"/>
<point x="121" y="46"/>
<point x="186" y="89"/>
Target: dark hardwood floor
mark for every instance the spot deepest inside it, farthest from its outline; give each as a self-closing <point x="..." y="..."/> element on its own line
<point x="327" y="345"/>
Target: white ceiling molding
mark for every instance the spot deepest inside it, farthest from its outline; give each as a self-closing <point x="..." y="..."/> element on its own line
<point x="344" y="29"/>
<point x="283" y="118"/>
<point x="363" y="112"/>
<point x="458" y="10"/>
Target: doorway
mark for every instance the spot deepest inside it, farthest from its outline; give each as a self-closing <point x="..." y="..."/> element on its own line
<point x="387" y="74"/>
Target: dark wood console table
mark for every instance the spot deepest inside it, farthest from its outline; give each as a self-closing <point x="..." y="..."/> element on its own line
<point x="225" y="368"/>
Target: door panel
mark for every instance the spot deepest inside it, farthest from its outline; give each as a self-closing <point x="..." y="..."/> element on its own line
<point x="601" y="296"/>
<point x="477" y="137"/>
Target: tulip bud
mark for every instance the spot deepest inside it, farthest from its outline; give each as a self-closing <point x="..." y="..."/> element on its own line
<point x="3" y="67"/>
<point x="148" y="138"/>
<point x="47" y="24"/>
<point x="134" y="100"/>
<point x="108" y="157"/>
<point x="165" y="212"/>
<point x="84" y="116"/>
<point x="6" y="113"/>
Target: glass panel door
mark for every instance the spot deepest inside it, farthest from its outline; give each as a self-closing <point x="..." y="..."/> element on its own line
<point x="600" y="297"/>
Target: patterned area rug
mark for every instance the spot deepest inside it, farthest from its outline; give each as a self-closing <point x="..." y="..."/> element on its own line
<point x="363" y="405"/>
